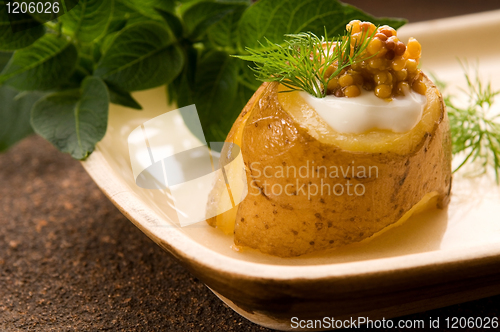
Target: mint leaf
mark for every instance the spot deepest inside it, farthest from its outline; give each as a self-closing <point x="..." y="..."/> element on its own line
<point x="106" y="42"/>
<point x="68" y="5"/>
<point x="173" y="22"/>
<point x="116" y="24"/>
<point x="73" y="120"/>
<point x="141" y="56"/>
<point x="4" y="59"/>
<point x="147" y="7"/>
<point x="180" y="89"/>
<point x="15" y="111"/>
<point x="214" y="94"/>
<point x="272" y="20"/>
<point x="28" y="30"/>
<point x="88" y="20"/>
<point x="119" y="97"/>
<point x="122" y="15"/>
<point x="201" y="15"/>
<point x="43" y="65"/>
<point x="247" y="77"/>
<point x="224" y="33"/>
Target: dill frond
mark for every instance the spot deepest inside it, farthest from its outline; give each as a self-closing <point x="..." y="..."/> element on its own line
<point x="475" y="132"/>
<point x="301" y="63"/>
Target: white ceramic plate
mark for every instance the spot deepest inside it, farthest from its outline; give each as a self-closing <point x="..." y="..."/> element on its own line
<point x="434" y="259"/>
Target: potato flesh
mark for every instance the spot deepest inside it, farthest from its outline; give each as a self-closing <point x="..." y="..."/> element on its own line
<point x="373" y="141"/>
<point x="412" y="166"/>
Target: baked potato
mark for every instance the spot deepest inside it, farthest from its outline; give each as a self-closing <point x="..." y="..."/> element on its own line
<point x="312" y="188"/>
<point x="412" y="168"/>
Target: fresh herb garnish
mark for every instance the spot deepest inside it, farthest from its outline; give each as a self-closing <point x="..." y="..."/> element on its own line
<point x="475" y="132"/>
<point x="302" y="62"/>
<point x="128" y="45"/>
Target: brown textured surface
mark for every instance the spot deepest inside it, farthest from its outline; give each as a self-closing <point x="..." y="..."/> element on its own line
<point x="69" y="261"/>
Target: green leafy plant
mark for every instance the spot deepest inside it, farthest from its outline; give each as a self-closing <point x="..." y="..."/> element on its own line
<point x="301" y="64"/>
<point x="58" y="78"/>
<point x="475" y="131"/>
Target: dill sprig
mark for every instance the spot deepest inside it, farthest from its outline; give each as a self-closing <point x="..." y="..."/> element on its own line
<point x="475" y="132"/>
<point x="301" y="63"/>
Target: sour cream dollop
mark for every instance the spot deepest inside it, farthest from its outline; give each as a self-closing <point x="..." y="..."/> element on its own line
<point x="366" y="112"/>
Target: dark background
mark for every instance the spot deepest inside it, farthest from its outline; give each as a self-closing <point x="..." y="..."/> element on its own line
<point x="70" y="261"/>
<point x="421" y="10"/>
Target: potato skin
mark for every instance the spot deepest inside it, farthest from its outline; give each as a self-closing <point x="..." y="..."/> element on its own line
<point x="291" y="225"/>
